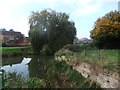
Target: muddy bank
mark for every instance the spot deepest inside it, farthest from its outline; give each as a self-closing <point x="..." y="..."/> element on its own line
<point x="105" y="78"/>
<point x="16" y="54"/>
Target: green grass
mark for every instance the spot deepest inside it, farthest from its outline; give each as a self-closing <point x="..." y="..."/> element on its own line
<point x="14" y="47"/>
<point x="62" y="75"/>
<point x="107" y="59"/>
<point x="9" y="50"/>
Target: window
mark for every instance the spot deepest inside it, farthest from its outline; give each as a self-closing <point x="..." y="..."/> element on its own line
<point x="17" y="38"/>
<point x="11" y="37"/>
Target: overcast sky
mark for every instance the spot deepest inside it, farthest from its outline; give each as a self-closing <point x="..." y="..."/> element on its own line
<point x="15" y="13"/>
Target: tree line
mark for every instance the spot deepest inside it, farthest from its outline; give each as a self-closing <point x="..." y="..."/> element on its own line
<point x="51" y="30"/>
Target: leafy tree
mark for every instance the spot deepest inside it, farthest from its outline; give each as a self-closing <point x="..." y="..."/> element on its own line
<point x="106" y="32"/>
<point x="52" y="29"/>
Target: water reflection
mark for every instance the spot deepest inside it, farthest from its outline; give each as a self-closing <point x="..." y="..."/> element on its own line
<point x="37" y="66"/>
<point x="11" y="60"/>
<point x="26" y="60"/>
<point x="20" y="68"/>
<point x="34" y="66"/>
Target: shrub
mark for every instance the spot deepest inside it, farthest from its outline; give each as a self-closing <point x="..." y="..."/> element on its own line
<point x="80" y="47"/>
<point x="45" y="51"/>
<point x="36" y="83"/>
<point x="4" y="45"/>
<point x="74" y="48"/>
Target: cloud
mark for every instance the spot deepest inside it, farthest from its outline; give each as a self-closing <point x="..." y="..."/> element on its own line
<point x="23" y="26"/>
<point x="107" y="0"/>
<point x="89" y="9"/>
<point x="6" y="18"/>
<point x="10" y="3"/>
<point x="78" y="8"/>
<point x="13" y="3"/>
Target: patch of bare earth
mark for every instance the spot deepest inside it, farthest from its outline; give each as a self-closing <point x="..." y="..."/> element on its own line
<point x="105" y="78"/>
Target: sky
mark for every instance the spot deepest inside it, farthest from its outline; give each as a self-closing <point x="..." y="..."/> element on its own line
<point x="15" y="13"/>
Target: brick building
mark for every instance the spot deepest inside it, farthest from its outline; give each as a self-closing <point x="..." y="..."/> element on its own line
<point x="11" y="37"/>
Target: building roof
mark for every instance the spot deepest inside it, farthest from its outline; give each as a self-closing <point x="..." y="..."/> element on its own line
<point x="11" y="33"/>
<point x="82" y="39"/>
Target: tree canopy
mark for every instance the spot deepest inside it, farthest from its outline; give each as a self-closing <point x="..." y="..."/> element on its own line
<point x="106" y="32"/>
<point x="50" y="28"/>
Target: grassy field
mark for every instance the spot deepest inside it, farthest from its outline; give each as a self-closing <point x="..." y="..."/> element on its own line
<point x="107" y="59"/>
<point x="7" y="50"/>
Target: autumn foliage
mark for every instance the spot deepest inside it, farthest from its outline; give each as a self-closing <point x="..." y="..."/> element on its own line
<point x="106" y="32"/>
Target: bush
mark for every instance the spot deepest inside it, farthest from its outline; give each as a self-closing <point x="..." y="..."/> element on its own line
<point x="45" y="51"/>
<point x="4" y="45"/>
<point x="74" y="48"/>
<point x="35" y="83"/>
<point x="12" y="80"/>
<point x="80" y="47"/>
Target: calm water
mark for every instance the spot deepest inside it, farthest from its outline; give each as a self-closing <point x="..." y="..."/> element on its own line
<point x="29" y="66"/>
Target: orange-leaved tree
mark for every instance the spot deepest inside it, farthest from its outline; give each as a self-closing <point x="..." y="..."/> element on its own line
<point x="106" y="31"/>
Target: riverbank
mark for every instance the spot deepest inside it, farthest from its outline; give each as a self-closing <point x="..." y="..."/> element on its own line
<point x="53" y="74"/>
<point x="71" y="69"/>
<point x="100" y="66"/>
<point x="15" y="51"/>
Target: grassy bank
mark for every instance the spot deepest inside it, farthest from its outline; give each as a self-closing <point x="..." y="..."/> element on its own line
<point x="107" y="59"/>
<point x="58" y="75"/>
<point x="14" y="51"/>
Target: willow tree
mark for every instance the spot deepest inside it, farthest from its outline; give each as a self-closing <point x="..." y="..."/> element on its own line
<point x="106" y="32"/>
<point x="50" y="28"/>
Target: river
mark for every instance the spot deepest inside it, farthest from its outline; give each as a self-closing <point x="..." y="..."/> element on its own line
<point x="27" y="66"/>
<point x="53" y="73"/>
